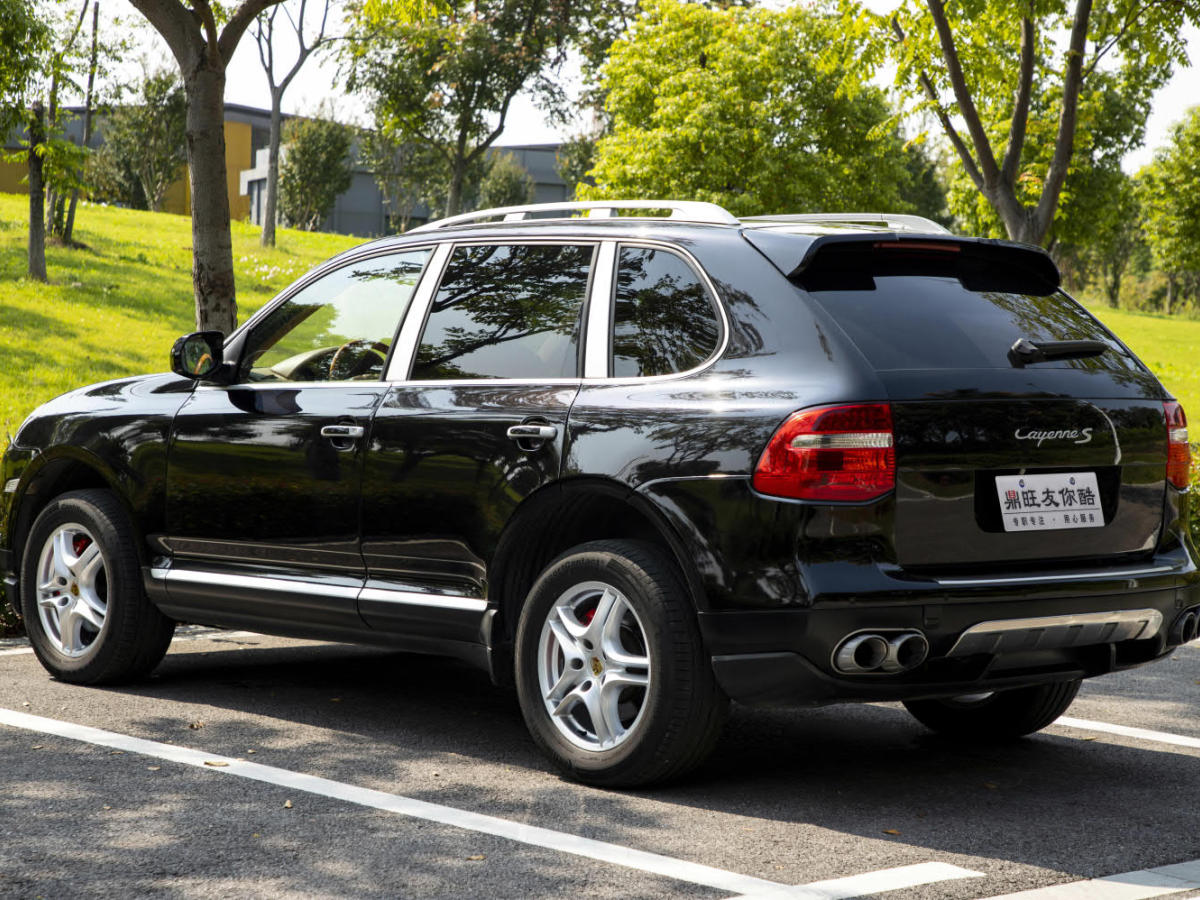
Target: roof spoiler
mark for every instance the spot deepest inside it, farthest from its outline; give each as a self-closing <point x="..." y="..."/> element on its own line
<point x="971" y="259"/>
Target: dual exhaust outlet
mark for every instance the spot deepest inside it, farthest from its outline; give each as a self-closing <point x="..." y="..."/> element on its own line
<point x="1187" y="627"/>
<point x="888" y="654"/>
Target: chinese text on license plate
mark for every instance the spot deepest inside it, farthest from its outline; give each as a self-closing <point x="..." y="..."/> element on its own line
<point x="1042" y="502"/>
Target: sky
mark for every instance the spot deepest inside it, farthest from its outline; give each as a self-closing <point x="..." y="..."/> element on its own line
<point x="316" y="82"/>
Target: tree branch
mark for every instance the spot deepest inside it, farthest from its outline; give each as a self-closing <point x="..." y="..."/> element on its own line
<point x="962" y="94"/>
<point x="952" y="134"/>
<point x="175" y="23"/>
<point x="1064" y="143"/>
<point x="237" y="25"/>
<point x="1020" y="118"/>
<point x="208" y="23"/>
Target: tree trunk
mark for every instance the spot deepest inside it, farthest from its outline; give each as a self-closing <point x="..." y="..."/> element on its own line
<point x="37" y="199"/>
<point x="69" y="228"/>
<point x="268" y="222"/>
<point x="212" y="250"/>
<point x="1170" y="294"/>
<point x="454" y="198"/>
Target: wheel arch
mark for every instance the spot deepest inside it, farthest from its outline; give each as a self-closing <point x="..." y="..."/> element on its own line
<point x="54" y="473"/>
<point x="563" y="515"/>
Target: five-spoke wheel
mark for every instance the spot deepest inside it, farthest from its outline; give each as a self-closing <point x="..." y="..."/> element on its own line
<point x="81" y="592"/>
<point x="594" y="667"/>
<point x="72" y="590"/>
<point x="611" y="673"/>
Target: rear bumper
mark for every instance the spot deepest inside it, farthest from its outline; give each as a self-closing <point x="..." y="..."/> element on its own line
<point x="785" y="657"/>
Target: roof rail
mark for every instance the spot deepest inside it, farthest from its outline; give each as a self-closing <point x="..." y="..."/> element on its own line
<point x="681" y="211"/>
<point x="899" y="221"/>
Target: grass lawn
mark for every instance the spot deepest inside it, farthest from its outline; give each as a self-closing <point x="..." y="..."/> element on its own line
<point x="1169" y="346"/>
<point x="116" y="307"/>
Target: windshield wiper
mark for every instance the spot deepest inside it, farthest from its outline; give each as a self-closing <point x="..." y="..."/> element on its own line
<point x="1025" y="351"/>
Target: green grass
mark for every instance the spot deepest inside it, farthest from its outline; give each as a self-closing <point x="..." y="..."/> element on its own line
<point x="115" y="307"/>
<point x="1169" y="346"/>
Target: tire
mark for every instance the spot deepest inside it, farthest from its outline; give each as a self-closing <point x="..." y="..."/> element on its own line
<point x="613" y="620"/>
<point x="87" y="615"/>
<point x="1000" y="715"/>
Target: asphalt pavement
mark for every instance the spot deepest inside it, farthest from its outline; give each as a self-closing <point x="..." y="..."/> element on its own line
<point x="252" y="766"/>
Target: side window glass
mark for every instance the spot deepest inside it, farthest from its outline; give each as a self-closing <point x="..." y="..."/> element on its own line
<point x="339" y="328"/>
<point x="506" y="311"/>
<point x="663" y="318"/>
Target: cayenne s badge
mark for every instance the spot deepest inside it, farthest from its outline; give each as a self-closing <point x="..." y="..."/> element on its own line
<point x="1075" y="435"/>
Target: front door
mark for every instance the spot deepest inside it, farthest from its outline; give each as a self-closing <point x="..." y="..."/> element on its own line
<point x="264" y="475"/>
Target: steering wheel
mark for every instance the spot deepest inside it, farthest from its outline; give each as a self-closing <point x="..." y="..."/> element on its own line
<point x="358" y="368"/>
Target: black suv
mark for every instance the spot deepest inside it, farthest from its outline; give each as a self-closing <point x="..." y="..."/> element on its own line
<point x="639" y="464"/>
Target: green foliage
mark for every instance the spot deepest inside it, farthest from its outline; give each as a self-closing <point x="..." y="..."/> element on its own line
<point x="24" y="37"/>
<point x="314" y="170"/>
<point x="758" y="110"/>
<point x="145" y="145"/>
<point x="574" y="160"/>
<point x="1131" y="49"/>
<point x="114" y="308"/>
<point x="408" y="175"/>
<point x="446" y="81"/>
<point x="1171" y="195"/>
<point x="506" y="183"/>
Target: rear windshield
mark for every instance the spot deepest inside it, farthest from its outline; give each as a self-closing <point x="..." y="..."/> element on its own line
<point x="913" y="321"/>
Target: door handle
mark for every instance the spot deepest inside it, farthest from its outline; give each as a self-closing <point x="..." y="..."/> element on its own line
<point x="532" y="432"/>
<point x="342" y="432"/>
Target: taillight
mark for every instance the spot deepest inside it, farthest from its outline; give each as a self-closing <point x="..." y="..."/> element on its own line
<point x="830" y="453"/>
<point x="1179" y="453"/>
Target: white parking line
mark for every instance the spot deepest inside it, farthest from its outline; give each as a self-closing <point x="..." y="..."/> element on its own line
<point x="1142" y="734"/>
<point x="203" y="636"/>
<point x="602" y="851"/>
<point x="406" y="806"/>
<point x="15" y="651"/>
<point x="867" y="883"/>
<point x="1129" y="886"/>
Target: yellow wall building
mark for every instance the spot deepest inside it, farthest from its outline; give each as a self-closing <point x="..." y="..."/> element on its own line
<point x="245" y="132"/>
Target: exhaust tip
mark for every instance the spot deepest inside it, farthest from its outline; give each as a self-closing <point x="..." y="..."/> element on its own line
<point x="861" y="653"/>
<point x="1187" y="627"/>
<point x="906" y="651"/>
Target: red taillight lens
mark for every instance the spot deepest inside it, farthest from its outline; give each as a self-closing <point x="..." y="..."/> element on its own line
<point x="1179" y="453"/>
<point x="830" y="453"/>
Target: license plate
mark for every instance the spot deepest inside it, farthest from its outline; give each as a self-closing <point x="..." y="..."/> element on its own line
<point x="1045" y="502"/>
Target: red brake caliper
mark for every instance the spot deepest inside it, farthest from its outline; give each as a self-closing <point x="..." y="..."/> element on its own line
<point x="80" y="543"/>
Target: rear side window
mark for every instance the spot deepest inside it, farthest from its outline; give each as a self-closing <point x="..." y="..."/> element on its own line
<point x="506" y="311"/>
<point x="920" y="317"/>
<point x="664" y="320"/>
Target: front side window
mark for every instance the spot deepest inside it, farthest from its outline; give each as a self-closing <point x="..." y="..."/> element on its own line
<point x="339" y="328"/>
<point x="663" y="318"/>
<point x="506" y="311"/>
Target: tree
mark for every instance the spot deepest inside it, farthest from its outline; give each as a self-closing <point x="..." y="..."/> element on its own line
<point x="264" y="37"/>
<point x="506" y="183"/>
<point x="573" y="161"/>
<point x="406" y="173"/>
<point x="990" y="66"/>
<point x="447" y="81"/>
<point x="89" y="98"/>
<point x="757" y="110"/>
<point x="1171" y="195"/>
<point x="145" y="144"/>
<point x="203" y="48"/>
<point x="315" y="169"/>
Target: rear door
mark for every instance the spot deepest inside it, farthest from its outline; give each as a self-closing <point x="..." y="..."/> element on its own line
<point x="999" y="460"/>
<point x="470" y="428"/>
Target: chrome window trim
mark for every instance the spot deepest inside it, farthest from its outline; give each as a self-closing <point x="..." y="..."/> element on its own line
<point x="405" y="348"/>
<point x="598" y="340"/>
<point x="396" y="374"/>
<point x="323" y="269"/>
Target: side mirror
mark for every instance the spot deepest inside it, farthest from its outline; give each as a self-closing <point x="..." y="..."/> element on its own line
<point x="198" y="355"/>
